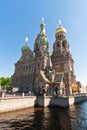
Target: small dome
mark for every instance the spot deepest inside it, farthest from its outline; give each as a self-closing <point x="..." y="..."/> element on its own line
<point x="24" y="48"/>
<point x="42" y="25"/>
<point x="60" y="30"/>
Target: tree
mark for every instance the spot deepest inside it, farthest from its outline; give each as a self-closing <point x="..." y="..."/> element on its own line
<point x="8" y="82"/>
<point x="0" y="82"/>
<point x="5" y="82"/>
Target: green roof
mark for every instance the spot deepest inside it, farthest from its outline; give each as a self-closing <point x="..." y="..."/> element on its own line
<point x="42" y="25"/>
<point x="59" y="78"/>
<point x="24" y="48"/>
<point x="79" y="84"/>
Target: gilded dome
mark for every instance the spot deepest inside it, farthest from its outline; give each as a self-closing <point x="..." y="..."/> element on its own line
<point x="60" y="29"/>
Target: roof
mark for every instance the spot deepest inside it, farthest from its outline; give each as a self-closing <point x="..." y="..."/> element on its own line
<point x="60" y="30"/>
<point x="59" y="77"/>
<point x="79" y="84"/>
<point x="24" y="48"/>
<point x="74" y="87"/>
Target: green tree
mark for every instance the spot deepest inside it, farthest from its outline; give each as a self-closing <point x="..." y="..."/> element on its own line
<point x="0" y="82"/>
<point x="5" y="82"/>
<point x="8" y="82"/>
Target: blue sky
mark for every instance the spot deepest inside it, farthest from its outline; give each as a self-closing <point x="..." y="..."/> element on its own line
<point x="21" y="18"/>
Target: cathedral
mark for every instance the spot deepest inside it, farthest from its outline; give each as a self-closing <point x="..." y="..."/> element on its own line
<point x="40" y="72"/>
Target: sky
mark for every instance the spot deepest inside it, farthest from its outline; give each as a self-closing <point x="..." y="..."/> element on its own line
<point x="22" y="18"/>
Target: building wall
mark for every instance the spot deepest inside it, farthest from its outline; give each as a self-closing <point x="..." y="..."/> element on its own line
<point x="24" y="72"/>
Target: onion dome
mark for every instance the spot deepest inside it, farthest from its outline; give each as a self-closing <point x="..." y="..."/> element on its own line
<point x="43" y="40"/>
<point x="42" y="25"/>
<point x="60" y="29"/>
<point x="25" y="48"/>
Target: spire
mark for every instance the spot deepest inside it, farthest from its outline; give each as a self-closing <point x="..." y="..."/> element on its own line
<point x="42" y="26"/>
<point x="49" y="62"/>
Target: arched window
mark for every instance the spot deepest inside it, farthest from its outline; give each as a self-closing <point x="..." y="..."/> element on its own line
<point x="18" y="69"/>
<point x="63" y="44"/>
<point x="38" y="65"/>
<point x="58" y="45"/>
<point x="17" y="79"/>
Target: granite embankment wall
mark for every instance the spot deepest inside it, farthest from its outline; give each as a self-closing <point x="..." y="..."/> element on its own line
<point x="60" y="101"/>
<point x="15" y="103"/>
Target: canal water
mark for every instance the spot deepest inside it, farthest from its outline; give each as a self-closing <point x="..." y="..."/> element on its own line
<point x="72" y="118"/>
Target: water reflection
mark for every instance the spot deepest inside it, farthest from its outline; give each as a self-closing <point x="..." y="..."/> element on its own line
<point x="78" y="116"/>
<point x="74" y="118"/>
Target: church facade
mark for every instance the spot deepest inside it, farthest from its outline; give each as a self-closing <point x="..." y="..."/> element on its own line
<point x="39" y="72"/>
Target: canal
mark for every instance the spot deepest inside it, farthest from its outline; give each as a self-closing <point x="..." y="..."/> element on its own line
<point x="72" y="118"/>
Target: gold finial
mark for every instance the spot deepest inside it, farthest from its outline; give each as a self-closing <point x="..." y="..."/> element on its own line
<point x="26" y="40"/>
<point x="60" y="23"/>
<point x="42" y="19"/>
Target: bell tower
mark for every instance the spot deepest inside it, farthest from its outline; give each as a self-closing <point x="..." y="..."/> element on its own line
<point x="62" y="59"/>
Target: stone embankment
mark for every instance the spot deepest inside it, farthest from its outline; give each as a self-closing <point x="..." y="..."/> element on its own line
<point x="21" y="102"/>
